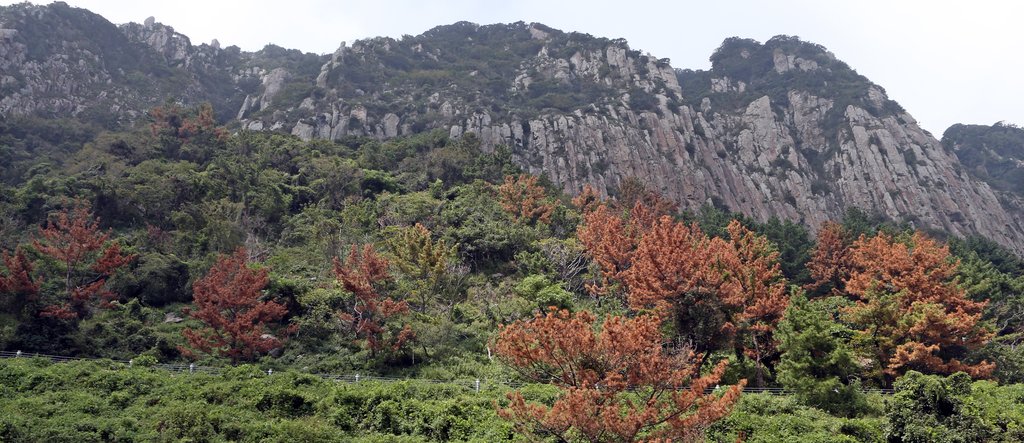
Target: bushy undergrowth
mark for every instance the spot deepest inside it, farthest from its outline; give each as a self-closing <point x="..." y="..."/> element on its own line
<point x="107" y="401"/>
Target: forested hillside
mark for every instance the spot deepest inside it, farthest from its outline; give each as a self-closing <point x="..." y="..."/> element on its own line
<point x="492" y="233"/>
<point x="423" y="257"/>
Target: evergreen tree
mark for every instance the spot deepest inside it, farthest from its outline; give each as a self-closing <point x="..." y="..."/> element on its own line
<point x="816" y="363"/>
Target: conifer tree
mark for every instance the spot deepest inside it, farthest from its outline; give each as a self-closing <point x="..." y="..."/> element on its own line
<point x="526" y="200"/>
<point x="85" y="260"/>
<point x="370" y="315"/>
<point x="911" y="312"/>
<point x="425" y="263"/>
<point x="618" y="384"/>
<point x="19" y="285"/>
<point x="817" y="363"/>
<point x="227" y="300"/>
<point x="830" y="261"/>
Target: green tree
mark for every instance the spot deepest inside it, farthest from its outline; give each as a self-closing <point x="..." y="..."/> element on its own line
<point x="934" y="409"/>
<point x="816" y="361"/>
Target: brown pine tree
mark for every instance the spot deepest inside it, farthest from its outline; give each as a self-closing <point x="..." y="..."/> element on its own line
<point x="618" y="384"/>
<point x="830" y="260"/>
<point x="610" y="241"/>
<point x="762" y="298"/>
<point x="227" y="301"/>
<point x="368" y="317"/>
<point x="86" y="260"/>
<point x="632" y="191"/>
<point x="717" y="292"/>
<point x="910" y="310"/>
<point x="18" y="284"/>
<point x="611" y="231"/>
<point x="587" y="200"/>
<point x="525" y="199"/>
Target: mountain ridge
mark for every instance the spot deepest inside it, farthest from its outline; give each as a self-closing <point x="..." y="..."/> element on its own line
<point x="780" y="129"/>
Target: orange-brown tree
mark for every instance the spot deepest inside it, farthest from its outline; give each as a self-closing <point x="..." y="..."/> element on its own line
<point x="909" y="309"/>
<point x="718" y="292"/>
<point x="632" y="191"/>
<point x="362" y="274"/>
<point x="525" y="199"/>
<point x="762" y="298"/>
<point x="227" y="301"/>
<point x="18" y="284"/>
<point x="176" y="122"/>
<point x="610" y="240"/>
<point x="587" y="200"/>
<point x="619" y="384"/>
<point x="85" y="258"/>
<point x="830" y="260"/>
<point x="611" y="233"/>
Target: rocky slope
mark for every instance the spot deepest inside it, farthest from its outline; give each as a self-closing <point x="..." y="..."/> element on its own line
<point x="776" y="129"/>
<point x="994" y="154"/>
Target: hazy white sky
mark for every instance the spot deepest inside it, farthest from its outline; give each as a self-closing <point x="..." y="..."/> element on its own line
<point x="945" y="61"/>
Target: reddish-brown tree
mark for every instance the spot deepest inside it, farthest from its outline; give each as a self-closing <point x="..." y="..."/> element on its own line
<point x="18" y="283"/>
<point x="830" y="261"/>
<point x="525" y="199"/>
<point x="672" y="260"/>
<point x="73" y="238"/>
<point x="612" y="231"/>
<point x="227" y="300"/>
<point x="632" y="191"/>
<point x="762" y="298"/>
<point x="911" y="312"/>
<point x="610" y="241"/>
<point x="362" y="274"/>
<point x="587" y="200"/>
<point x="175" y="122"/>
<point x="618" y="384"/>
<point x="718" y="292"/>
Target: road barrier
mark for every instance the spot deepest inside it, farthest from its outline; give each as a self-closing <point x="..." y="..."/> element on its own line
<point x="473" y="384"/>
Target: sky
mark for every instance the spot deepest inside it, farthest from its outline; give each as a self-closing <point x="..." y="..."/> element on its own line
<point x="946" y="62"/>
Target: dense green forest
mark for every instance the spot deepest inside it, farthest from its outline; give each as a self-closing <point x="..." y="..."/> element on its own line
<point x="595" y="318"/>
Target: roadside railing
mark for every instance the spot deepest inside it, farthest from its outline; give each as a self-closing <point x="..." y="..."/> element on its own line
<point x="473" y="384"/>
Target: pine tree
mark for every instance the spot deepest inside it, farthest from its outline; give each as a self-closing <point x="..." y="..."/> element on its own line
<point x="426" y="265"/>
<point x="18" y="284"/>
<point x="718" y="292"/>
<point x="227" y="301"/>
<point x="611" y="241"/>
<point x="369" y="316"/>
<point x="526" y="200"/>
<point x="911" y="312"/>
<point x="85" y="259"/>
<point x="830" y="260"/>
<point x="618" y="384"/>
<point x="817" y="363"/>
<point x="762" y="297"/>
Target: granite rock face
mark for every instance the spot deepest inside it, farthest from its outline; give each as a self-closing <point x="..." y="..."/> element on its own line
<point x="781" y="129"/>
<point x="803" y="156"/>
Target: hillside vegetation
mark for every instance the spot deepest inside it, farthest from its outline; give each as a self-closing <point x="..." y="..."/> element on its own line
<point x="426" y="257"/>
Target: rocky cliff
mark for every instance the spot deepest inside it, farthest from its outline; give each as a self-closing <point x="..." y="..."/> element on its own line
<point x="776" y="129"/>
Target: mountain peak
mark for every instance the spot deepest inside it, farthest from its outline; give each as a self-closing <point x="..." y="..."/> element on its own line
<point x="780" y="129"/>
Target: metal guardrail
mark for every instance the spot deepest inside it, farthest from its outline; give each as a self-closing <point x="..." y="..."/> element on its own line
<point x="475" y="384"/>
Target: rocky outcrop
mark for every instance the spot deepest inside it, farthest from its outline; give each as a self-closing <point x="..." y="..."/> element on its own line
<point x="780" y="129"/>
<point x="763" y="162"/>
<point x="60" y="61"/>
<point x="800" y="156"/>
<point x="173" y="47"/>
